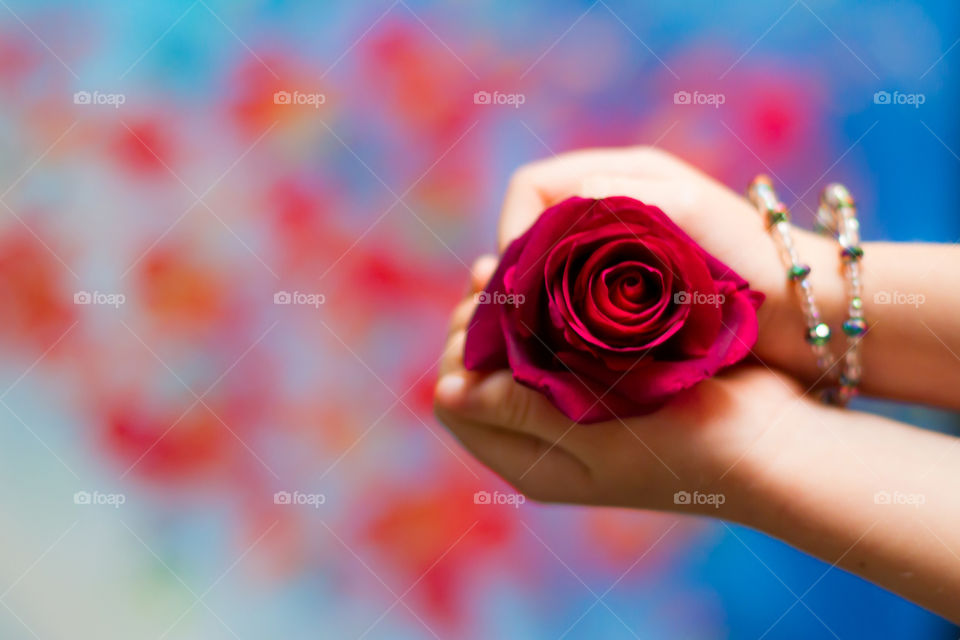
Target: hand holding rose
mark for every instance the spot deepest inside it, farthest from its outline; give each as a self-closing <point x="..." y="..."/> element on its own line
<point x="697" y="442"/>
<point x="621" y="310"/>
<point x="784" y="463"/>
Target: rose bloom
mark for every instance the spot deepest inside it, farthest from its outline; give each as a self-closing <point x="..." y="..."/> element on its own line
<point x="609" y="309"/>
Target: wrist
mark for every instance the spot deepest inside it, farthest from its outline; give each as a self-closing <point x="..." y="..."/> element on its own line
<point x="770" y="479"/>
<point x="782" y="329"/>
<point x="743" y="424"/>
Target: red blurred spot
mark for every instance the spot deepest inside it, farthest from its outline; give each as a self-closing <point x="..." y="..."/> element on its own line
<point x="300" y="214"/>
<point x="144" y="147"/>
<point x="780" y="117"/>
<point x="297" y="209"/>
<point x="380" y="271"/>
<point x="421" y="80"/>
<point x="252" y="106"/>
<point x="774" y="118"/>
<point x="159" y="445"/>
<point x="36" y="303"/>
<point x="16" y="59"/>
<point x="437" y="538"/>
<point x="422" y="393"/>
<point x="309" y="239"/>
<point x="383" y="271"/>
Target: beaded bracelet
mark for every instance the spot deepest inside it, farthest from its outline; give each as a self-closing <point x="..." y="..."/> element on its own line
<point x="762" y="195"/>
<point x="837" y="215"/>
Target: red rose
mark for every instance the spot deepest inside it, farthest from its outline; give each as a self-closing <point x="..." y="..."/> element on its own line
<point x="610" y="309"/>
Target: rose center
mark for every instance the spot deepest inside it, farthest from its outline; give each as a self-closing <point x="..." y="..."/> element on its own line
<point x="636" y="285"/>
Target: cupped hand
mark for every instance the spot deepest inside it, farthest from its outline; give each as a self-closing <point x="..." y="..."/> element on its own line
<point x="711" y="439"/>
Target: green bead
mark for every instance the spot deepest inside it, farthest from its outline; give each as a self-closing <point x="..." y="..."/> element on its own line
<point x="798" y="272"/>
<point x="819" y="334"/>
<point x="852" y="253"/>
<point x="856" y="303"/>
<point x="776" y="216"/>
<point x="855" y="326"/>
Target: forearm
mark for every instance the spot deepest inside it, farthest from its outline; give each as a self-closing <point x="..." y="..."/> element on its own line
<point x="911" y="300"/>
<point x="873" y="496"/>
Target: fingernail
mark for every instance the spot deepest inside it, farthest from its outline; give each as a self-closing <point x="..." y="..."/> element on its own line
<point x="450" y="389"/>
<point x="483" y="268"/>
<point x="483" y="263"/>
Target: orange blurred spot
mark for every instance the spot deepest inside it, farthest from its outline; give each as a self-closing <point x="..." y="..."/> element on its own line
<point x="437" y="538"/>
<point x="621" y="537"/>
<point x="36" y="305"/>
<point x="259" y="98"/>
<point x="180" y="292"/>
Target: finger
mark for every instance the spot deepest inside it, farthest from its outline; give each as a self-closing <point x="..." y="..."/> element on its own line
<point x="530" y="464"/>
<point x="482" y="271"/>
<point x="498" y="400"/>
<point x="544" y="183"/>
<point x="452" y="358"/>
<point x="667" y="194"/>
<point x="462" y="314"/>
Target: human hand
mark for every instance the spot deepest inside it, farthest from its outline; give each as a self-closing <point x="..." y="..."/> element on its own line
<point x="704" y="440"/>
<point x="749" y="435"/>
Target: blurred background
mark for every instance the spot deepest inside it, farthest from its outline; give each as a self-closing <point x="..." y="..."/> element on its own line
<point x="231" y="234"/>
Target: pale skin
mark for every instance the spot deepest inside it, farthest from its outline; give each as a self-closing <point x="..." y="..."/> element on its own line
<point x="784" y="463"/>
